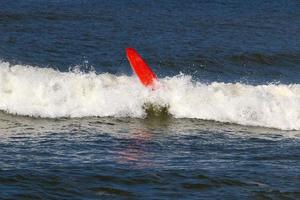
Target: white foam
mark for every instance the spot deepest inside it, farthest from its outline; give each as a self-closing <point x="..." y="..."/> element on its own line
<point x="40" y="92"/>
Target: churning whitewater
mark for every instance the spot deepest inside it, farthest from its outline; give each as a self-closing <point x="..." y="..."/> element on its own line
<point x="44" y="92"/>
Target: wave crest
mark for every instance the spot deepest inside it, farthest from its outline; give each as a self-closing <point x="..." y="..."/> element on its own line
<point x="40" y="92"/>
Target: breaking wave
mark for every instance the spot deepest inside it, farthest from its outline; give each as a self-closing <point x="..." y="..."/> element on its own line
<point x="44" y="92"/>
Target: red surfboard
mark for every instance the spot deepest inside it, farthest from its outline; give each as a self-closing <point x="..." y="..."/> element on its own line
<point x="140" y="67"/>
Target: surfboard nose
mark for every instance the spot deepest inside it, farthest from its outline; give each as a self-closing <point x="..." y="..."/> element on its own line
<point x="129" y="50"/>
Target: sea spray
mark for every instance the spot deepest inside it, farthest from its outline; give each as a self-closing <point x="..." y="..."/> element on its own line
<point x="44" y="92"/>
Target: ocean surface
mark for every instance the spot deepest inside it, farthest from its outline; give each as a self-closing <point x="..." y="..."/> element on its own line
<point x="75" y="123"/>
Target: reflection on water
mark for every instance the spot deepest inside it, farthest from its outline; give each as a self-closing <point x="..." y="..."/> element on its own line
<point x="125" y="157"/>
<point x="133" y="150"/>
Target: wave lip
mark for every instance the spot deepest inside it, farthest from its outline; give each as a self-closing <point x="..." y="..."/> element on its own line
<point x="40" y="92"/>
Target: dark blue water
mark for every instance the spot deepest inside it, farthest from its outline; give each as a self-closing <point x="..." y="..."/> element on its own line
<point x="253" y="42"/>
<point x="215" y="40"/>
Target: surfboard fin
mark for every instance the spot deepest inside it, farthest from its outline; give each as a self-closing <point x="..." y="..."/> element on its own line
<point x="141" y="69"/>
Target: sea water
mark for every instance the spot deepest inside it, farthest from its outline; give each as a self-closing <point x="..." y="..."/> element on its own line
<point x="224" y="122"/>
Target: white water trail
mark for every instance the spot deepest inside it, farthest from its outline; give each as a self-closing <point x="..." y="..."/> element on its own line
<point x="40" y="92"/>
